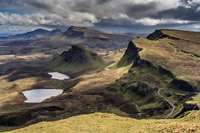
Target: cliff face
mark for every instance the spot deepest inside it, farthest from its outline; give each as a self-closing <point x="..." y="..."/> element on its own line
<point x="189" y="36"/>
<point x="178" y="51"/>
<point x="160" y="34"/>
<point x="131" y="55"/>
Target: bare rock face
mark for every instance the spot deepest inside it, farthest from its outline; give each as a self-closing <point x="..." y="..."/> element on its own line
<point x="183" y="85"/>
<point x="159" y="34"/>
<point x="131" y="55"/>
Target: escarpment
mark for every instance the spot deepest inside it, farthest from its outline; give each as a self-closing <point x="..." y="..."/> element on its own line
<point x="160" y="34"/>
<point x="154" y="89"/>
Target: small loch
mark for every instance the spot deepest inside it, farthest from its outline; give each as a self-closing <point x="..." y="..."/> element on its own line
<point x="58" y="76"/>
<point x="39" y="95"/>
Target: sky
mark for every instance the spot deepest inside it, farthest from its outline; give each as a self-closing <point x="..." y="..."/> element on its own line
<point x="117" y="15"/>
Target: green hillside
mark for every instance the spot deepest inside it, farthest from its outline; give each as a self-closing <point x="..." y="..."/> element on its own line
<point x="75" y="60"/>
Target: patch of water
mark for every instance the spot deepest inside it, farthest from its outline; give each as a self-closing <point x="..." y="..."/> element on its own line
<point x="58" y="76"/>
<point x="39" y="95"/>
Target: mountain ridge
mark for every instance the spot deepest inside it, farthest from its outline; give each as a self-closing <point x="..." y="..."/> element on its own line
<point x="152" y="85"/>
<point x="82" y="32"/>
<point x="175" y="34"/>
<point x="35" y="34"/>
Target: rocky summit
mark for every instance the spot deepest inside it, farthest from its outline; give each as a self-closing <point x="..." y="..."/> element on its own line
<point x="131" y="55"/>
<point x="79" y="54"/>
<point x="76" y="59"/>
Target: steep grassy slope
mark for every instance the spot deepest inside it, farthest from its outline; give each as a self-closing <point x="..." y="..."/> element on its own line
<point x="154" y="90"/>
<point x="110" y="123"/>
<point x="77" y="59"/>
<point x="175" y="34"/>
<point x="180" y="55"/>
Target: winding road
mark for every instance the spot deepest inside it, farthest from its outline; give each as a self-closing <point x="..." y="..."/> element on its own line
<point x="170" y="103"/>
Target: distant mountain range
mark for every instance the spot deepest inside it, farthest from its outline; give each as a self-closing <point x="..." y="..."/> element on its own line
<point x="72" y="32"/>
<point x="38" y="33"/>
<point x="96" y="39"/>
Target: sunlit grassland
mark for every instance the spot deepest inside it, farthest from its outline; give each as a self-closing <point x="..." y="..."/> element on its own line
<point x="111" y="123"/>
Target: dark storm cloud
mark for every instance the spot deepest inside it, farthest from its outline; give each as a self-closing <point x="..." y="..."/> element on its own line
<point x="9" y="3"/>
<point x="102" y="1"/>
<point x="182" y="13"/>
<point x="140" y="10"/>
<point x="39" y="5"/>
<point x="190" y="10"/>
<point x="114" y="12"/>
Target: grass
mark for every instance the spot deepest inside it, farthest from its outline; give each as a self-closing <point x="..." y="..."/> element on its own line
<point x="11" y="89"/>
<point x="60" y="65"/>
<point x="100" y="79"/>
<point x="76" y="65"/>
<point x="143" y="83"/>
<point x="195" y="100"/>
<point x="186" y="35"/>
<point x="138" y="86"/>
<point x="150" y="106"/>
<point x="169" y="54"/>
<point x="111" y="123"/>
<point x="162" y="52"/>
<point x="10" y="92"/>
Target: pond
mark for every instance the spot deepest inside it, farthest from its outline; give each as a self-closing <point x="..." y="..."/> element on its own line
<point x="39" y="95"/>
<point x="58" y="76"/>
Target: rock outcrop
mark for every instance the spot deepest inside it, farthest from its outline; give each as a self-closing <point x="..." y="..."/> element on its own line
<point x="131" y="55"/>
<point x="77" y="59"/>
<point x="159" y="34"/>
<point x="79" y="54"/>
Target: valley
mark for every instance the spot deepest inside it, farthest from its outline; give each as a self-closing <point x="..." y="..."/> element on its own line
<point x="114" y="81"/>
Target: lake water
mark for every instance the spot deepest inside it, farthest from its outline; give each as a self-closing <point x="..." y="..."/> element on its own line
<point x="58" y="76"/>
<point x="39" y="95"/>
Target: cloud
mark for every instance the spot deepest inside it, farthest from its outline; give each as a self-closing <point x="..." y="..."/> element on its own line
<point x="153" y="22"/>
<point x="92" y="12"/>
<point x="103" y="8"/>
<point x="33" y="19"/>
<point x="85" y="19"/>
